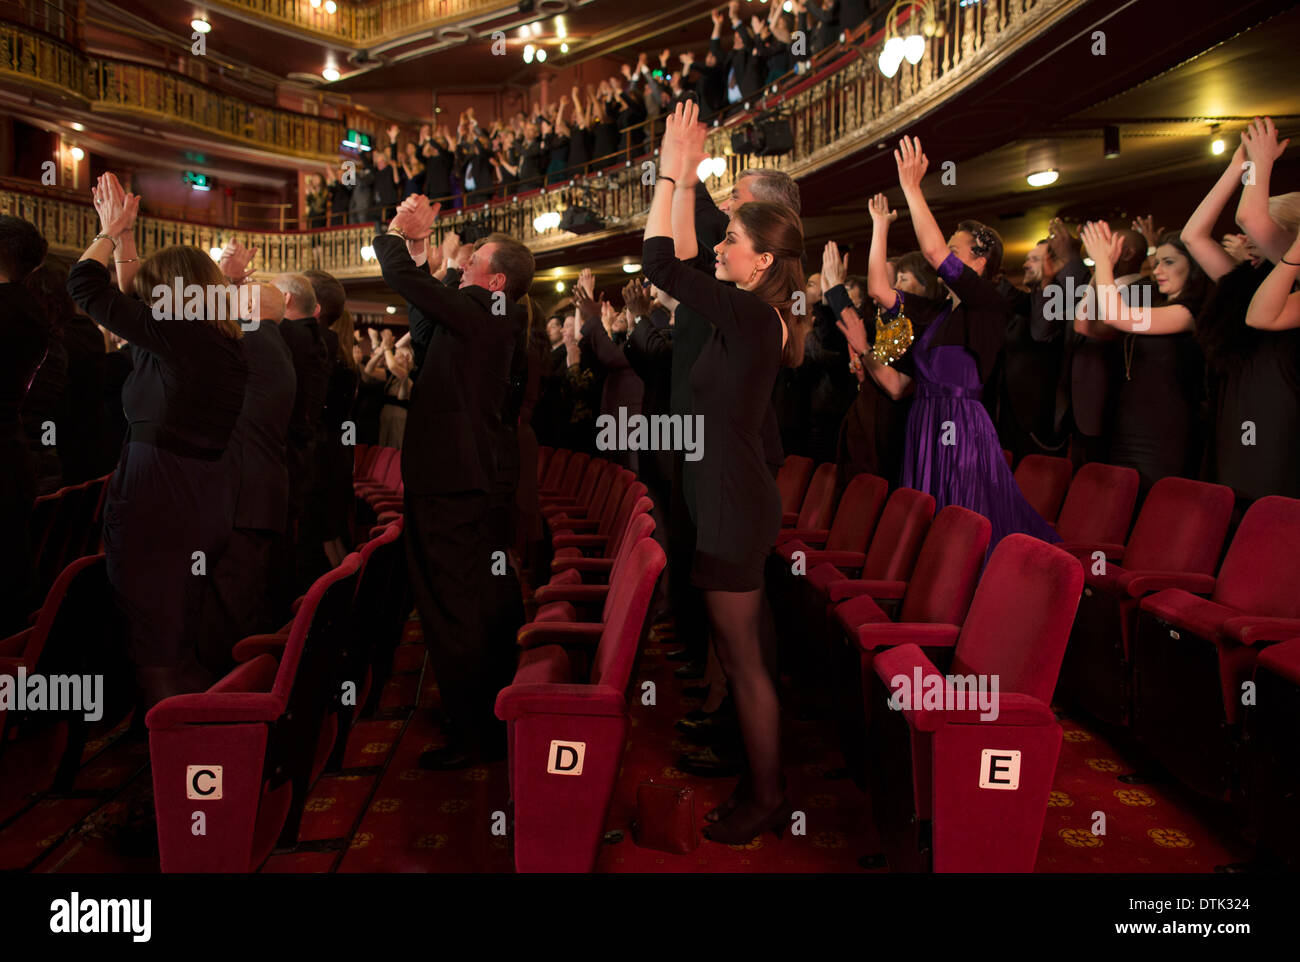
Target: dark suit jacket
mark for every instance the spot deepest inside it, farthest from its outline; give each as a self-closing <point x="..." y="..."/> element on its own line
<point x="311" y="366"/>
<point x="259" y="445"/>
<point x="622" y="387"/>
<point x="454" y="429"/>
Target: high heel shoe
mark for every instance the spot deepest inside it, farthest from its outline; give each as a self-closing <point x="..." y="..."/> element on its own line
<point x="740" y="792"/>
<point x="732" y="831"/>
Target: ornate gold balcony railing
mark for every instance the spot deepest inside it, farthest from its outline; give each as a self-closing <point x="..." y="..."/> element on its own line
<point x="358" y="24"/>
<point x="833" y="115"/>
<point x="119" y="86"/>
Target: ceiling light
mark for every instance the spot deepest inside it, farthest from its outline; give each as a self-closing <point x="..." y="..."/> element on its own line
<point x="561" y="30"/>
<point x="541" y="55"/>
<point x="331" y="6"/>
<point x="631" y="268"/>
<point x="1217" y="143"/>
<point x="537" y="28"/>
<point x="330" y="74"/>
<point x="76" y="126"/>
<point x="77" y="153"/>
<point x="391" y="309"/>
<point x="529" y="51"/>
<point x="367" y="253"/>
<point x="564" y="48"/>
<point x="914" y="48"/>
<point x="214" y="253"/>
<point x="559" y="287"/>
<point x="315" y="3"/>
<point x="1041" y="178"/>
<point x="199" y="25"/>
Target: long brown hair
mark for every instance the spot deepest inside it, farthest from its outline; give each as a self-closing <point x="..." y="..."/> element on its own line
<point x="775" y="229"/>
<point x="192" y="266"/>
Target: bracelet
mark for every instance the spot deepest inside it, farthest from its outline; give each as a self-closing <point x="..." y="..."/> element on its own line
<point x="1285" y="261"/>
<point x="125" y="260"/>
<point x="671" y="180"/>
<point x="100" y="237"/>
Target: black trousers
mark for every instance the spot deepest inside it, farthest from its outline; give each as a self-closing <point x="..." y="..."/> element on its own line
<point x="237" y="602"/>
<point x="449" y="545"/>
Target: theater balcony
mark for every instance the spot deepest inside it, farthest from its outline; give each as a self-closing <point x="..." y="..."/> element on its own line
<point x="975" y="95"/>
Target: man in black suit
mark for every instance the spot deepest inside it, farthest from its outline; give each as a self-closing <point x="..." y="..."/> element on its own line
<point x="235" y="605"/>
<point x="455" y="462"/>
<point x="311" y="363"/>
<point x="1086" y="364"/>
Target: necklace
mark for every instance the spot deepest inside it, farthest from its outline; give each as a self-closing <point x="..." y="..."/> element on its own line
<point x="1130" y="345"/>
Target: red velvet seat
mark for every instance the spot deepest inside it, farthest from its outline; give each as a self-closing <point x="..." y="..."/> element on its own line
<point x="599" y="536"/>
<point x="1176" y="542"/>
<point x="555" y="717"/>
<point x="76" y="632"/>
<point x="1097" y="511"/>
<point x="1271" y="768"/>
<point x="544" y="453"/>
<point x="792" y="481"/>
<point x="579" y="601"/>
<point x="261" y="727"/>
<point x="845" y="542"/>
<point x="1043" y="481"/>
<point x="979" y="785"/>
<point x="589" y="499"/>
<point x="570" y="480"/>
<point x="818" y="500"/>
<point x="1192" y="655"/>
<point x="555" y="469"/>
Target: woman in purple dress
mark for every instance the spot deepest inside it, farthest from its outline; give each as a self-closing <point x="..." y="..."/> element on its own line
<point x="951" y="449"/>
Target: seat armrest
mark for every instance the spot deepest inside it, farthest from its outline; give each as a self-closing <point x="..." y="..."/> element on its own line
<point x="580" y="541"/>
<point x="1260" y="630"/>
<point x="577" y="525"/>
<point x="892" y="634"/>
<point x="541" y="698"/>
<point x="1139" y="583"/>
<point x="568" y="634"/>
<point x="844" y="560"/>
<point x="1085" y="549"/>
<point x="809" y="536"/>
<point x="15" y="644"/>
<point x="853" y="587"/>
<point x="255" y="645"/>
<point x="576" y="594"/>
<point x="592" y="565"/>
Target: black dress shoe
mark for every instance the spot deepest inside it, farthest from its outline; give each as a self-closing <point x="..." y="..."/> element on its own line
<point x="706" y="764"/>
<point x="698" y="716"/>
<point x="714" y="736"/>
<point x="447" y="759"/>
<point x="692" y="669"/>
<point x="681" y="654"/>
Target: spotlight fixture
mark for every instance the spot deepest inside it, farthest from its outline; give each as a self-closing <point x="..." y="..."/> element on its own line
<point x="77" y="153"/>
<point x="330" y="73"/>
<point x="559" y="287"/>
<point x="200" y="25"/>
<point x="632" y="268"/>
<point x="1217" y="143"/>
<point x="1110" y="141"/>
<point x="564" y="48"/>
<point x="76" y="126"/>
<point x="541" y="55"/>
<point x="1041" y="178"/>
<point x="537" y="28"/>
<point x="529" y="52"/>
<point x="391" y="309"/>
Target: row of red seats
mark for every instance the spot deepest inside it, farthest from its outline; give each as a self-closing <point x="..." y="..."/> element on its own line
<point x="64" y="526"/>
<point x="1146" y="646"/>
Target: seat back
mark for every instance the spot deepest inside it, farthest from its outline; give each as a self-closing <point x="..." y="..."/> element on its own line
<point x="899" y="536"/>
<point x="71" y="514"/>
<point x="858" y="511"/>
<point x="1258" y="576"/>
<point x="634" y="492"/>
<point x="591" y="476"/>
<point x="555" y="470"/>
<point x="642" y="506"/>
<point x="604" y="482"/>
<point x="377" y="616"/>
<point x="573" y="474"/>
<point x="544" y="453"/>
<point x="1099" y="505"/>
<point x="614" y="502"/>
<point x="1043" y="481"/>
<point x="626" y="608"/>
<point x="383" y="461"/>
<point x="639" y="526"/>
<point x="820" y="499"/>
<point x="947" y="568"/>
<point x="1020" y="617"/>
<point x="1181" y="527"/>
<point x="792" y="481"/>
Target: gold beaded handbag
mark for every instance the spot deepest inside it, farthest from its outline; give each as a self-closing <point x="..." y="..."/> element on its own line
<point x="893" y="337"/>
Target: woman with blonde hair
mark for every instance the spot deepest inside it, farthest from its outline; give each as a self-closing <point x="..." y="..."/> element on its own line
<point x="170" y="504"/>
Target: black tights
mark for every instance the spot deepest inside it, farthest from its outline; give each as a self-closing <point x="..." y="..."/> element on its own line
<point x="744" y="637"/>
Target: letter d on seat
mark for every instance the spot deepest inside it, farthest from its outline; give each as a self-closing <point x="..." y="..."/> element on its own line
<point x="565" y="758"/>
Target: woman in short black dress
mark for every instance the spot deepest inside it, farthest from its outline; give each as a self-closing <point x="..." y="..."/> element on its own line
<point x="738" y="505"/>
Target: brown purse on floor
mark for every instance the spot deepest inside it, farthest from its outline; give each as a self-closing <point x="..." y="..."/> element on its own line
<point x="665" y="818"/>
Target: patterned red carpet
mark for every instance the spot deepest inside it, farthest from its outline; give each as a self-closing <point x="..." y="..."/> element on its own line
<point x="384" y="814"/>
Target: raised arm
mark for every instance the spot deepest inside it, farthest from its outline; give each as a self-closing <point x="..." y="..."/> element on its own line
<point x="878" y="287"/>
<point x="1262" y="149"/>
<point x="912" y="165"/>
<point x="1110" y="307"/>
<point x="438" y="302"/>
<point x="1198" y="232"/>
<point x="1274" y="307"/>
